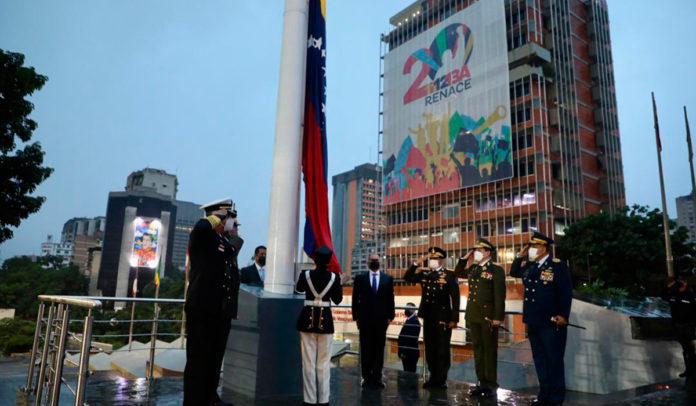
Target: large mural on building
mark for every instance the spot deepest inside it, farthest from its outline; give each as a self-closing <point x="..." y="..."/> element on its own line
<point x="446" y="106"/>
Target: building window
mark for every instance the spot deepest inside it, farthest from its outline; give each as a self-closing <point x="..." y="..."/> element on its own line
<point x="450" y="211"/>
<point x="450" y="236"/>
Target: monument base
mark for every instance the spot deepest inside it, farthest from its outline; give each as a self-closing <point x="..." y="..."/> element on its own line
<point x="262" y="358"/>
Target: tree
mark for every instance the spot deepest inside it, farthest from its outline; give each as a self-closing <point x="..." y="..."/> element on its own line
<point x="626" y="250"/>
<point x="21" y="169"/>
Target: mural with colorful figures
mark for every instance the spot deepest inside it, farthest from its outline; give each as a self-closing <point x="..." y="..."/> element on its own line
<point x="447" y="122"/>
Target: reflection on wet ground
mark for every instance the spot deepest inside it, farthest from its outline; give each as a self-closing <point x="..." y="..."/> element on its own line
<point x="402" y="389"/>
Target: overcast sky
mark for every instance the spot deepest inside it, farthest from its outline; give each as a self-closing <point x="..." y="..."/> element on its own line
<point x="190" y="87"/>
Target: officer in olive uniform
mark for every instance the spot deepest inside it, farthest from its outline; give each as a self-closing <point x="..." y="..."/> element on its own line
<point x="485" y="310"/>
<point x="548" y="293"/>
<point x="439" y="309"/>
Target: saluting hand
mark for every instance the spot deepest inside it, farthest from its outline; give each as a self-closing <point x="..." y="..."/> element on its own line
<point x="469" y="258"/>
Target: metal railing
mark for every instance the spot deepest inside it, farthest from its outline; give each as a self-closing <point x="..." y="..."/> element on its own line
<point x="45" y="373"/>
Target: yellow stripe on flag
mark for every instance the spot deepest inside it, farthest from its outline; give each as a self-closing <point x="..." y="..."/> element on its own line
<point x="323" y="8"/>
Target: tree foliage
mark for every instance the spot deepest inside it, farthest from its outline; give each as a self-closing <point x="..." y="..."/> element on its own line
<point x="21" y="169"/>
<point x="626" y="250"/>
<point x="22" y="280"/>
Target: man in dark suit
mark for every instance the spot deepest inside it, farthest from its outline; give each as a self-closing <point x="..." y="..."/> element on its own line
<point x="409" y="352"/>
<point x="211" y="300"/>
<point x="373" y="310"/>
<point x="255" y="274"/>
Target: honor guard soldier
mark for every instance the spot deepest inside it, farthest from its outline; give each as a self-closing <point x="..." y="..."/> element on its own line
<point x="211" y="300"/>
<point x="485" y="311"/>
<point x="315" y="324"/>
<point x="548" y="293"/>
<point x="439" y="309"/>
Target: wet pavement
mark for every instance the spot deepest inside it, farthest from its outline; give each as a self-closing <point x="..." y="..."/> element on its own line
<point x="402" y="389"/>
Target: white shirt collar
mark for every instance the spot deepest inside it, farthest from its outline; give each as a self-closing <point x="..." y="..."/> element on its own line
<point x="376" y="273"/>
<point x="485" y="262"/>
<point x="541" y="261"/>
<point x="259" y="267"/>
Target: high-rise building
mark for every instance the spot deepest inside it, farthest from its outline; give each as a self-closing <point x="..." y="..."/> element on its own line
<point x="356" y="216"/>
<point x="153" y="180"/>
<point x="686" y="215"/>
<point x="57" y="249"/>
<point x="137" y="240"/>
<point x="92" y="227"/>
<point x="187" y="214"/>
<point x="477" y="162"/>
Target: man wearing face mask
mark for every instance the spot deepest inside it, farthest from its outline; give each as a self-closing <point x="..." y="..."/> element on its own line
<point x="255" y="274"/>
<point x="211" y="300"/>
<point x="439" y="309"/>
<point x="485" y="311"/>
<point x="373" y="310"/>
<point x="548" y="293"/>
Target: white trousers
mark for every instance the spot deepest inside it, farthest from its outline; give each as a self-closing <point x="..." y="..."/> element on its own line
<point x="316" y="366"/>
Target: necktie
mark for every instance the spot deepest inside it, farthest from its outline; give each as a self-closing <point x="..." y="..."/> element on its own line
<point x="374" y="283"/>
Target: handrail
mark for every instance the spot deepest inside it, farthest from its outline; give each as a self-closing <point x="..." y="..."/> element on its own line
<point x="86" y="302"/>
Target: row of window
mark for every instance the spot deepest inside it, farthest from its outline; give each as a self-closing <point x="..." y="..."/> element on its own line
<point x="503" y="201"/>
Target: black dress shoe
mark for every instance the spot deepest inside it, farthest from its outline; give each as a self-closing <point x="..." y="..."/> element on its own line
<point x="476" y="391"/>
<point x="537" y="402"/>
<point x="489" y="393"/>
<point x="379" y="384"/>
<point x="365" y="383"/>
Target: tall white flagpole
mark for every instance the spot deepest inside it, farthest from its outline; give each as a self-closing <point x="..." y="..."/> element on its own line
<point x="283" y="219"/>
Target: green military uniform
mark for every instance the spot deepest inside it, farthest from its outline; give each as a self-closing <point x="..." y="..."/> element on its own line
<point x="439" y="306"/>
<point x="486" y="302"/>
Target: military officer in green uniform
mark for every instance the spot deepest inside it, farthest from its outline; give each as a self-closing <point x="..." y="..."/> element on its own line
<point x="439" y="309"/>
<point x="485" y="310"/>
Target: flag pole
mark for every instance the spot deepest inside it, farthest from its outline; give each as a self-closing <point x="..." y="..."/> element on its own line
<point x="665" y="216"/>
<point x="691" y="160"/>
<point x="135" y="294"/>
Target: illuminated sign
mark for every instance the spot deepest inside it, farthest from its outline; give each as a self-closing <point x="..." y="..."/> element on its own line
<point x="146" y="239"/>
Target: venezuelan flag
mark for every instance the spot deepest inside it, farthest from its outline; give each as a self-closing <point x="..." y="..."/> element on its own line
<point x="317" y="230"/>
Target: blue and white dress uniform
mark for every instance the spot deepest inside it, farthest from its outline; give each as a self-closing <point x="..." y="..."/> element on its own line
<point x="548" y="292"/>
<point x="315" y="324"/>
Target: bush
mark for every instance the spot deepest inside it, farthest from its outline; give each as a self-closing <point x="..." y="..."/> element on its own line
<point x="18" y="344"/>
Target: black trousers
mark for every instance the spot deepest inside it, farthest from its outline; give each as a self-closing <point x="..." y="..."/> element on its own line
<point x="436" y="338"/>
<point x="206" y="338"/>
<point x="548" y="348"/>
<point x="485" y="342"/>
<point x="373" y="336"/>
<point x="686" y="334"/>
<point x="410" y="361"/>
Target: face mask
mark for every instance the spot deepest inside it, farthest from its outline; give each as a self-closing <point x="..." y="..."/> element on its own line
<point x="262" y="260"/>
<point x="478" y="256"/>
<point x="533" y="253"/>
<point x="433" y="264"/>
<point x="373" y="265"/>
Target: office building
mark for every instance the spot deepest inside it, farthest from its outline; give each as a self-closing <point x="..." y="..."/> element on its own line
<point x="499" y="118"/>
<point x="356" y="215"/>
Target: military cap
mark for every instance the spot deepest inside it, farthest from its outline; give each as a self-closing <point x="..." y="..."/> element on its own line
<point x="485" y="244"/>
<point x="437" y="253"/>
<point x="223" y="204"/>
<point x="539" y="238"/>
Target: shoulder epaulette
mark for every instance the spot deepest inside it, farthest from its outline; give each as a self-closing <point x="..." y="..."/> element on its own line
<point x="556" y="260"/>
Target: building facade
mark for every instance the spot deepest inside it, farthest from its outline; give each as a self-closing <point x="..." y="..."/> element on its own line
<point x="61" y="249"/>
<point x="187" y="214"/>
<point x="137" y="240"/>
<point x="153" y="180"/>
<point x="357" y="220"/>
<point x="91" y="227"/>
<point x="686" y="216"/>
<point x="566" y="150"/>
